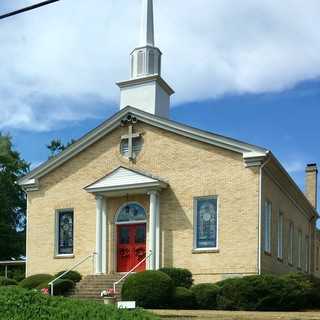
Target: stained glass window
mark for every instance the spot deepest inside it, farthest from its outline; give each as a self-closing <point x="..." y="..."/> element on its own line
<point x="206" y="223"/>
<point x="65" y="241"/>
<point x="131" y="212"/>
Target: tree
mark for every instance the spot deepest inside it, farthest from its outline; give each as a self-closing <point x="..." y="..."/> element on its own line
<point x="12" y="201"/>
<point x="56" y="147"/>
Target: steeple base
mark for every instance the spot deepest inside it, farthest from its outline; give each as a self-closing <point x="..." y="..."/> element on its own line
<point x="150" y="94"/>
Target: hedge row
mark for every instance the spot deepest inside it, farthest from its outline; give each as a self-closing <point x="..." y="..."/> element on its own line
<point x="61" y="286"/>
<point x="291" y="292"/>
<point x="21" y="304"/>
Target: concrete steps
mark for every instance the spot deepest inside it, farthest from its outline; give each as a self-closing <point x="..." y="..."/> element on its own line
<point x="90" y="287"/>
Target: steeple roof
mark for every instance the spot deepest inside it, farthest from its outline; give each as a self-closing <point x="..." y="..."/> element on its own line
<point x="147" y="24"/>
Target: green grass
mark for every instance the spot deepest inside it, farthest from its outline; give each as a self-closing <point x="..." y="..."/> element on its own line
<point x="20" y="304"/>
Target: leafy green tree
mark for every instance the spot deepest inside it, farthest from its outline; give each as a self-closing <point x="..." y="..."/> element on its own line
<point x="56" y="147"/>
<point x="12" y="201"/>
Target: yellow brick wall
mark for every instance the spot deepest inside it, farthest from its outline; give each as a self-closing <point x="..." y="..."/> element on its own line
<point x="292" y="211"/>
<point x="191" y="168"/>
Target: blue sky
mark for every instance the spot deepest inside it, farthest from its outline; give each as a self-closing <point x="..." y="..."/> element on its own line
<point x="247" y="69"/>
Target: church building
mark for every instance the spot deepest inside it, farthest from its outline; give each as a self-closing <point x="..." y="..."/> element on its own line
<point x="143" y="192"/>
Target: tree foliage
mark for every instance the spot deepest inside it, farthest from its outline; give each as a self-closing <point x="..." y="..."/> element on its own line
<point x="56" y="146"/>
<point x="12" y="201"/>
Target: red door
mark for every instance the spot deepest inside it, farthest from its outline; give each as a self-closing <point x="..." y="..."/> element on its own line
<point x="131" y="247"/>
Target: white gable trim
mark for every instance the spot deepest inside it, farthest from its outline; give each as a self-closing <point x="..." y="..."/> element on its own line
<point x="115" y="121"/>
<point x="125" y="179"/>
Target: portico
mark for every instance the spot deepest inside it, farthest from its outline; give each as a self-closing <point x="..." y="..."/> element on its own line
<point x="124" y="182"/>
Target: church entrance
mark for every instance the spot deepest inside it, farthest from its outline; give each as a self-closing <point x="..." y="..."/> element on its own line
<point x="131" y="247"/>
<point x="131" y="237"/>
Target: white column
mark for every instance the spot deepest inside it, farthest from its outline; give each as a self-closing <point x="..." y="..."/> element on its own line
<point x="99" y="207"/>
<point x="104" y="236"/>
<point x="157" y="255"/>
<point x="153" y="228"/>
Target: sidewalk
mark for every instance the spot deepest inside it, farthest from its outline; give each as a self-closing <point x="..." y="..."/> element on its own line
<point x="235" y="315"/>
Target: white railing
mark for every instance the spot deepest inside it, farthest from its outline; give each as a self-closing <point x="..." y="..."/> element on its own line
<point x="51" y="284"/>
<point x="11" y="263"/>
<point x="131" y="271"/>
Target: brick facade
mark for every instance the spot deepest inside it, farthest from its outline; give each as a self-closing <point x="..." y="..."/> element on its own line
<point x="192" y="169"/>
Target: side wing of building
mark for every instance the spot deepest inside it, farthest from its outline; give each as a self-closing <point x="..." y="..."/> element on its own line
<point x="288" y="224"/>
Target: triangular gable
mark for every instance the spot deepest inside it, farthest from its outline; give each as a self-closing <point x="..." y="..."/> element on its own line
<point x="124" y="178"/>
<point x="106" y="127"/>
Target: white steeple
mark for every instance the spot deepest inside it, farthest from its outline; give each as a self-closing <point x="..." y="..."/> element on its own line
<point x="147" y="26"/>
<point x="146" y="90"/>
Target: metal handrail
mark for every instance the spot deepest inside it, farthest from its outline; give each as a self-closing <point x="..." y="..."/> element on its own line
<point x="11" y="263"/>
<point x="131" y="271"/>
<point x="71" y="269"/>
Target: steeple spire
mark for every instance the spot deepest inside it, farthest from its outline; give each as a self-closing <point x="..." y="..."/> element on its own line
<point x="147" y="26"/>
<point x="146" y="90"/>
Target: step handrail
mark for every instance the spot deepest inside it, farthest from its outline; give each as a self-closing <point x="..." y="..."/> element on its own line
<point x="51" y="283"/>
<point x="132" y="270"/>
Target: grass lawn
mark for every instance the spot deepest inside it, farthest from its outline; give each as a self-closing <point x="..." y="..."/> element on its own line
<point x="237" y="315"/>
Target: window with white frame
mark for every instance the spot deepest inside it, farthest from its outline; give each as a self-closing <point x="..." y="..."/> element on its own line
<point x="299" y="249"/>
<point x="291" y="243"/>
<point x="307" y="247"/>
<point x="206" y="223"/>
<point x="267" y="226"/>
<point x="64" y="232"/>
<point x="280" y="235"/>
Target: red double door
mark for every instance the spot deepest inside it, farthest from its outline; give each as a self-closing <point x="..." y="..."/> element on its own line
<point x="131" y="248"/>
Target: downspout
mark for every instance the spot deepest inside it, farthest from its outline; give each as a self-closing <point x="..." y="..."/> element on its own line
<point x="260" y="214"/>
<point x="312" y="246"/>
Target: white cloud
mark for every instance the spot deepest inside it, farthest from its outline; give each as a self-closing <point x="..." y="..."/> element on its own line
<point x="73" y="52"/>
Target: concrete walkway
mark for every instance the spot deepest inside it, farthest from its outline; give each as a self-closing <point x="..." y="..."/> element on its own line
<point x="236" y="315"/>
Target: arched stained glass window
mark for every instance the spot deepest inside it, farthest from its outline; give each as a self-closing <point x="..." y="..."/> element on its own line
<point x="131" y="212"/>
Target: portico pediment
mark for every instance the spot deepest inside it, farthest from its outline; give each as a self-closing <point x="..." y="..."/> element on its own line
<point x="124" y="180"/>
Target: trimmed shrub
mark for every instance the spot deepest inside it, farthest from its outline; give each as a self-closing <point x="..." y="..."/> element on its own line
<point x="263" y="293"/>
<point x="180" y="277"/>
<point x="62" y="287"/>
<point x="150" y="289"/>
<point x="33" y="281"/>
<point x="304" y="291"/>
<point x="7" y="282"/>
<point x="183" y="298"/>
<point x="206" y="295"/>
<point x="20" y="304"/>
<point x="75" y="276"/>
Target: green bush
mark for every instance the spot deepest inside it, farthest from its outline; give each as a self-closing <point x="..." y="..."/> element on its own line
<point x="20" y="304"/>
<point x="264" y="293"/>
<point x="150" y="289"/>
<point x="180" y="277"/>
<point x="33" y="281"/>
<point x="305" y="286"/>
<point x="183" y="298"/>
<point x="206" y="295"/>
<point x="60" y="288"/>
<point x="7" y="282"/>
<point x="75" y="276"/>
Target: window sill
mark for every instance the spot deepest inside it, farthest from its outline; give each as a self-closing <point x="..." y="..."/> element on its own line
<point x="64" y="256"/>
<point x="199" y="251"/>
